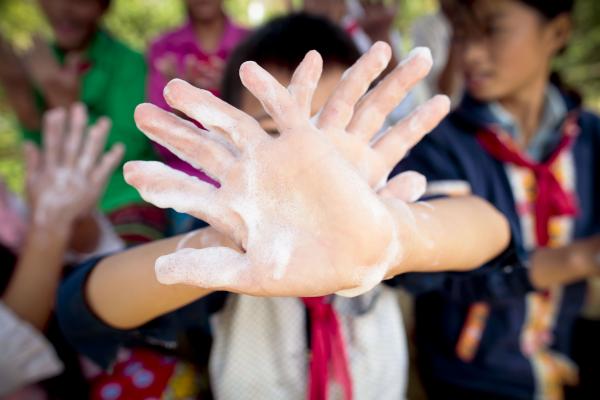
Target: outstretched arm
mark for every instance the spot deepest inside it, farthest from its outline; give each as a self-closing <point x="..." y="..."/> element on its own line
<point x="300" y="219"/>
<point x="64" y="181"/>
<point x="123" y="290"/>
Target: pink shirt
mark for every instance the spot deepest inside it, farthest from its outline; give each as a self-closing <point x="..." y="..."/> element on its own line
<point x="180" y="43"/>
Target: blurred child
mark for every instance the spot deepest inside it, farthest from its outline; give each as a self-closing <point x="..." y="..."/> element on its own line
<point x="195" y="52"/>
<point x="525" y="144"/>
<point x="265" y="345"/>
<point x="85" y="63"/>
<point x="34" y="251"/>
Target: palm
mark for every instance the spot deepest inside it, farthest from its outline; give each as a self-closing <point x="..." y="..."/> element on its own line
<point x="66" y="178"/>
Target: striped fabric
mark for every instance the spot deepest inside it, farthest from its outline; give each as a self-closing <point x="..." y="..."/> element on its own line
<point x="139" y="223"/>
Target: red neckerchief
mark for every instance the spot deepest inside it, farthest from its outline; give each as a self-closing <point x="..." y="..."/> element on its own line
<point x="551" y="198"/>
<point x="328" y="350"/>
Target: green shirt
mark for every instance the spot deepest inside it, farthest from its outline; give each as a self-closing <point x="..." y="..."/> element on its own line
<point x="113" y="86"/>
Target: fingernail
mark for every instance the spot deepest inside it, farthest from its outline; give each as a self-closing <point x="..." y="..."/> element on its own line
<point x="421" y="51"/>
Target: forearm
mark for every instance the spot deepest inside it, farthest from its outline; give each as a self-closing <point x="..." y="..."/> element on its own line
<point x="450" y="234"/>
<point x="21" y="99"/>
<point x="550" y="267"/>
<point x="31" y="291"/>
<point x="123" y="290"/>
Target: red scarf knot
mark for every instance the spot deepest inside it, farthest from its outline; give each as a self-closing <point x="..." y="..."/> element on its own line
<point x="551" y="198"/>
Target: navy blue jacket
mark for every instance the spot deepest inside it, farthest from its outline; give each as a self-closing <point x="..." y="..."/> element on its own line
<point x="451" y="152"/>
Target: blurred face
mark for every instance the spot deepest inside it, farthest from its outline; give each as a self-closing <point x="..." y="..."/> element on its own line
<point x="334" y="10"/>
<point x="204" y="10"/>
<point x="73" y="21"/>
<point x="330" y="78"/>
<point x="506" y="48"/>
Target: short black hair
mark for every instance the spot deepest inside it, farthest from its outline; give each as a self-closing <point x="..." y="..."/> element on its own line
<point x="551" y="8"/>
<point x="284" y="41"/>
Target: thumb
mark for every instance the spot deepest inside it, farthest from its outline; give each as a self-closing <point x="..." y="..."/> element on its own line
<point x="216" y="268"/>
<point x="408" y="186"/>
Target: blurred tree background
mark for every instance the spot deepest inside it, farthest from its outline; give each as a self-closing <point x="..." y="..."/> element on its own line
<point x="138" y="21"/>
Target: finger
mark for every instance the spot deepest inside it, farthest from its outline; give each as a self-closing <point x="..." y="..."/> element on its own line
<point x="184" y="139"/>
<point x="190" y="66"/>
<point x="166" y="187"/>
<point x="53" y="127"/>
<point x="408" y="187"/>
<point x="275" y="99"/>
<point x="33" y="161"/>
<point x="215" y="114"/>
<point x="305" y="80"/>
<point x="338" y="110"/>
<point x="73" y="62"/>
<point x="202" y="82"/>
<point x="93" y="145"/>
<point x="107" y="165"/>
<point x="77" y="124"/>
<point x="216" y="268"/>
<point x="374" y="108"/>
<point x="393" y="146"/>
<point x="167" y="66"/>
<point x="216" y="62"/>
<point x="40" y="47"/>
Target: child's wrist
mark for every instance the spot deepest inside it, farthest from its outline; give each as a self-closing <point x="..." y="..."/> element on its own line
<point x="45" y="236"/>
<point x="51" y="223"/>
<point x="406" y="235"/>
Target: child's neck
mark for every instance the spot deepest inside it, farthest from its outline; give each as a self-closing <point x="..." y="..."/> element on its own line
<point x="527" y="107"/>
<point x="210" y="32"/>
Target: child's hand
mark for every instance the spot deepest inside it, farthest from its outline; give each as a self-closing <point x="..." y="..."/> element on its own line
<point x="60" y="84"/>
<point x="575" y="262"/>
<point x="167" y="66"/>
<point x="203" y="74"/>
<point x="305" y="216"/>
<point x="584" y="257"/>
<point x="67" y="176"/>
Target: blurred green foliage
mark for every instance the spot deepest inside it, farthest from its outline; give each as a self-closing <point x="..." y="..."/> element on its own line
<point x="138" y="21"/>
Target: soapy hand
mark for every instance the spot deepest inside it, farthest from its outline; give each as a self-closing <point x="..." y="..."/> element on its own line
<point x="67" y="176"/>
<point x="302" y="211"/>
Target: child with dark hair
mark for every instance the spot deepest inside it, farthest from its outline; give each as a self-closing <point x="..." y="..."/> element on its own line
<point x="286" y="49"/>
<point x="85" y="63"/>
<point x="527" y="146"/>
<point x="309" y="224"/>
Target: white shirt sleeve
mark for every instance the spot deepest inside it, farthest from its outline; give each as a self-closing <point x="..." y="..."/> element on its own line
<point x="25" y="355"/>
